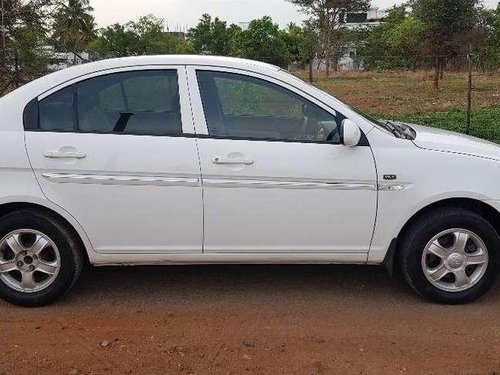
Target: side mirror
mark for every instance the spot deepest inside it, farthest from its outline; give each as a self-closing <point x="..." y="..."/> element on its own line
<point x="351" y="134"/>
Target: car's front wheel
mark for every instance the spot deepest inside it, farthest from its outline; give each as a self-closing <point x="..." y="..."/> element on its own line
<point x="451" y="255"/>
<point x="40" y="258"/>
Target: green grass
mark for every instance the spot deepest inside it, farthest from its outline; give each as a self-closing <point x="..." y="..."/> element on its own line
<point x="485" y="122"/>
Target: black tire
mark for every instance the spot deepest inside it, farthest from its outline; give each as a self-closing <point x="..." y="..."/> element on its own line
<point x="429" y="226"/>
<point x="70" y="251"/>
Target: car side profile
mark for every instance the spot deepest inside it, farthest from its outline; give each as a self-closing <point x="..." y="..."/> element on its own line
<point x="196" y="159"/>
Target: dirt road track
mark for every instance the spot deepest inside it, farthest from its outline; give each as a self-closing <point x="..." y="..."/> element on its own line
<point x="249" y="320"/>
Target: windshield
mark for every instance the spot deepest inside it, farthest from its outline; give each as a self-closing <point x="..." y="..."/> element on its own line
<point x="376" y="122"/>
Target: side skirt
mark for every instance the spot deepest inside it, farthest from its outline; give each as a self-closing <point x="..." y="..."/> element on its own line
<point x="182" y="259"/>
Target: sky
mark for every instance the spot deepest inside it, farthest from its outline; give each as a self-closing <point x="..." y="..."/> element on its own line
<point x="179" y="14"/>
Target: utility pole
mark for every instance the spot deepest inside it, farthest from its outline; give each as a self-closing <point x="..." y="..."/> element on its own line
<point x="469" y="91"/>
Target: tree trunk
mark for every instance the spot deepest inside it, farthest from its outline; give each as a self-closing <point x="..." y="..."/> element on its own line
<point x="335" y="62"/>
<point x="311" y="77"/>
<point x="5" y="88"/>
<point x="441" y="70"/>
<point x="436" y="74"/>
<point x="328" y="52"/>
<point x="17" y="77"/>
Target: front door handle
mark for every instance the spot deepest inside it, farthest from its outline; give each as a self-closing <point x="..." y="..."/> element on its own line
<point x="235" y="161"/>
<point x="64" y="155"/>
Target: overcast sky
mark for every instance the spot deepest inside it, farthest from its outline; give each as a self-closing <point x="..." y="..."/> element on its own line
<point x="179" y="14"/>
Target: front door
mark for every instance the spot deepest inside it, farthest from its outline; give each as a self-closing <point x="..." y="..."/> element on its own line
<point x="276" y="177"/>
<point x="111" y="151"/>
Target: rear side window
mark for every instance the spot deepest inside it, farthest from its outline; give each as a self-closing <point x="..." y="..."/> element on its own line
<point x="145" y="102"/>
<point x="56" y="112"/>
<point x="139" y="102"/>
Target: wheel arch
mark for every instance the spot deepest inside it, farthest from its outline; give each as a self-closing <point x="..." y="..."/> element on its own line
<point x="69" y="222"/>
<point x="475" y="205"/>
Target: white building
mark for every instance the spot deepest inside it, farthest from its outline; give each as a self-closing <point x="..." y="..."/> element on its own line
<point x="357" y="20"/>
<point x="244" y="25"/>
<point x="63" y="60"/>
<point x="372" y="17"/>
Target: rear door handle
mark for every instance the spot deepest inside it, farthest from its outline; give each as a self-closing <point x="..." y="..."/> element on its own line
<point x="64" y="155"/>
<point x="229" y="161"/>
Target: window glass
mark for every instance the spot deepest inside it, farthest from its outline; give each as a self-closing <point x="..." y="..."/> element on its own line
<point x="251" y="108"/>
<point x="250" y="98"/>
<point x="56" y="111"/>
<point x="140" y="102"/>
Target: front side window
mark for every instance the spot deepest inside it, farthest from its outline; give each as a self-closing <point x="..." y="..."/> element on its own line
<point x="140" y="102"/>
<point x="250" y="108"/>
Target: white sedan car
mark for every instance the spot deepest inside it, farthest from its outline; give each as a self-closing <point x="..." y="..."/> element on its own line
<point x="190" y="159"/>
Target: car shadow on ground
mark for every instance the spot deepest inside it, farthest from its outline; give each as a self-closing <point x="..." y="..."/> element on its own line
<point x="238" y="285"/>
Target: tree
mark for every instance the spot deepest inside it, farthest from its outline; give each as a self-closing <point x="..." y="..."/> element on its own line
<point x="394" y="44"/>
<point x="73" y="25"/>
<point x="22" y="37"/>
<point x="147" y="36"/>
<point x="489" y="50"/>
<point x="446" y="24"/>
<point x="151" y="37"/>
<point x="262" y="41"/>
<point x="113" y="41"/>
<point x="328" y="16"/>
<point x="212" y="37"/>
<point x="308" y="47"/>
<point x="301" y="43"/>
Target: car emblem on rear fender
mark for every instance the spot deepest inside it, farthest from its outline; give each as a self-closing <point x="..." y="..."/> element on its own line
<point x="390" y="177"/>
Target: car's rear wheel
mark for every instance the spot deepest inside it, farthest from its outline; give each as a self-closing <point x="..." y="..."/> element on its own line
<point x="40" y="259"/>
<point x="450" y="255"/>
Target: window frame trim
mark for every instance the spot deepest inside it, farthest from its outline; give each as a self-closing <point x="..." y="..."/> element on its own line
<point x="187" y="124"/>
<point x="199" y="112"/>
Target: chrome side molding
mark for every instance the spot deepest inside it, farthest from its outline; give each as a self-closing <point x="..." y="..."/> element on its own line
<point x="121" y="180"/>
<point x="282" y="184"/>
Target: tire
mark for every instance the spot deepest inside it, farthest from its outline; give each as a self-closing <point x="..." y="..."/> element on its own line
<point x="61" y="258"/>
<point x="453" y="229"/>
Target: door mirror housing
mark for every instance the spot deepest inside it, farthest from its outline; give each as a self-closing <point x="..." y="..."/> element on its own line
<point x="351" y="133"/>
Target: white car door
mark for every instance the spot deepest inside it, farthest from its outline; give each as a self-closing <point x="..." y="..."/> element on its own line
<point x="112" y="149"/>
<point x="276" y="177"/>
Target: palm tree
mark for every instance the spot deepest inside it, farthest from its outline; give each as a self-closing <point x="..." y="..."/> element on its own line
<point x="73" y="25"/>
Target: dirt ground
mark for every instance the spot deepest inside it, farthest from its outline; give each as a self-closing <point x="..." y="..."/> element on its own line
<point x="249" y="320"/>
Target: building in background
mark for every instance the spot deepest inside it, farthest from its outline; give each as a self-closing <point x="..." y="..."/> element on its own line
<point x="177" y="35"/>
<point x="63" y="60"/>
<point x="372" y="17"/>
<point x="355" y="21"/>
<point x="244" y="25"/>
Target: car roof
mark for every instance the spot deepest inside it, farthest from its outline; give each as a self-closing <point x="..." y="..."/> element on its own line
<point x="222" y="61"/>
<point x="49" y="81"/>
<point x="218" y="61"/>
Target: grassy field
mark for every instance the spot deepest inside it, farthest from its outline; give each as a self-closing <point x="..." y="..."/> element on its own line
<point x="409" y="96"/>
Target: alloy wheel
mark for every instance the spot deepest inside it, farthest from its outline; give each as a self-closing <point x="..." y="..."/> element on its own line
<point x="29" y="261"/>
<point x="455" y="260"/>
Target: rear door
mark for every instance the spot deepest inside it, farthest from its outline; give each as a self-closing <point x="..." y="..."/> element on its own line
<point x="116" y="151"/>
